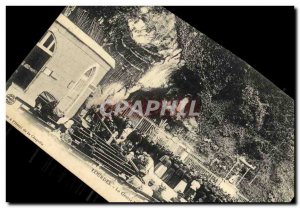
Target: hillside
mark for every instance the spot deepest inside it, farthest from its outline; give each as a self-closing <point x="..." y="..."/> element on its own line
<point x="241" y="112"/>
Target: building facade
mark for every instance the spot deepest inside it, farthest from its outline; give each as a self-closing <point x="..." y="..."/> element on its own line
<point x="65" y="62"/>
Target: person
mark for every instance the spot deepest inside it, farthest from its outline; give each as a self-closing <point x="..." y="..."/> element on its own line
<point x="60" y="127"/>
<point x="124" y="134"/>
<point x="112" y="137"/>
<point x="130" y="156"/>
<point x="94" y="117"/>
<point x="63" y="124"/>
<point x="127" y="148"/>
<point x="133" y="180"/>
<point x="139" y="151"/>
<point x="66" y="137"/>
<point x="149" y="188"/>
<point x="146" y="167"/>
<point x="178" y="175"/>
<point x="87" y="144"/>
<point x="145" y="143"/>
<point x="202" y="190"/>
<point x="161" y="151"/>
<point x="189" y="176"/>
<point x="134" y="137"/>
<point x="181" y="186"/>
<point x="151" y="150"/>
<point x="191" y="191"/>
<point x="90" y="113"/>
<point x="178" y="198"/>
<point x="85" y="106"/>
<point x="163" y="165"/>
<point x="170" y="172"/>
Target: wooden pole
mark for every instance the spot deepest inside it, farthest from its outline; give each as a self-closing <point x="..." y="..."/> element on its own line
<point x="231" y="169"/>
<point x="253" y="178"/>
<point x="243" y="176"/>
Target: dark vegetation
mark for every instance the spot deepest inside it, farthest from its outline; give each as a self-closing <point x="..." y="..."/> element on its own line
<point x="242" y="113"/>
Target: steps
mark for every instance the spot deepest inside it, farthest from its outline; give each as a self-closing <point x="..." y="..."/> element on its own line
<point x="101" y="151"/>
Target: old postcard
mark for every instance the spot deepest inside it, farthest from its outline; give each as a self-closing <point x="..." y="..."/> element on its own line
<point x="142" y="107"/>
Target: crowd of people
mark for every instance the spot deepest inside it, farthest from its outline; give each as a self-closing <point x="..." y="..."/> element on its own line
<point x="152" y="160"/>
<point x="189" y="184"/>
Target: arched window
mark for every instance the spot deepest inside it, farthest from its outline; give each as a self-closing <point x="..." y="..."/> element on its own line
<point x="48" y="43"/>
<point x="89" y="73"/>
<point x="79" y="92"/>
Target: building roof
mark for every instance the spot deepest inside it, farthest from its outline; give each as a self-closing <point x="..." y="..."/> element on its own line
<point x="82" y="36"/>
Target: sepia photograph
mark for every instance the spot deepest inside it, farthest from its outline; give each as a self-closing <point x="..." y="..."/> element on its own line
<point x="142" y="107"/>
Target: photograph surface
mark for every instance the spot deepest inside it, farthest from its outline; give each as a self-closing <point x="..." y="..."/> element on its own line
<point x="142" y="107"/>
